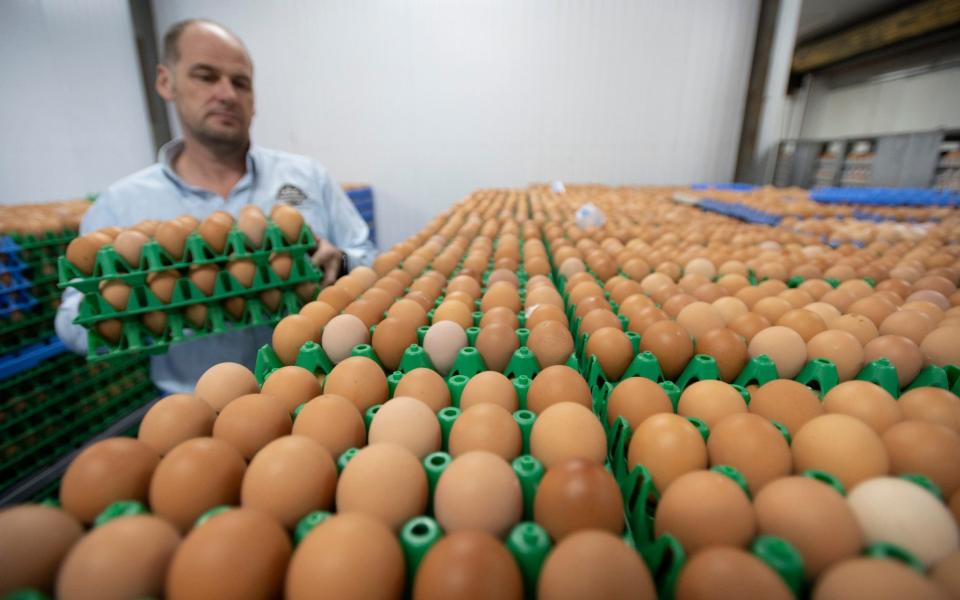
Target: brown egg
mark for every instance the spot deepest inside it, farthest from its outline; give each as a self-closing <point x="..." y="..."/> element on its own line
<point x="671" y="344"/>
<point x="644" y="318"/>
<point x="204" y="277"/>
<point x="337" y="298"/>
<point x="407" y="422"/>
<point x="635" y="399"/>
<point x="784" y="346"/>
<point x="292" y="386"/>
<point x="940" y="346"/>
<point x="383" y="481"/>
<point x="214" y="231"/>
<point x="813" y="517"/>
<point x="489" y="387"/>
<point x="486" y="426"/>
<point x="478" y="490"/>
<point x="861" y="327"/>
<point x="904" y="354"/>
<point x="727" y="348"/>
<point x="289" y="220"/>
<point x="931" y="404"/>
<point x="358" y="379"/>
<point x="840" y="347"/>
<point x="496" y="344"/>
<point x="174" y="419"/>
<point x="599" y="318"/>
<point x="333" y="422"/>
<point x="557" y="384"/>
<point x="162" y="284"/>
<point x="545" y="312"/>
<point x="710" y="401"/>
<point x="125" y="558"/>
<point x="772" y="308"/>
<point x="787" y="402"/>
<point x="567" y="430"/>
<point x="246" y="548"/>
<point x="113" y="469"/>
<point x="82" y="251"/>
<point x="873" y="578"/>
<point x="498" y="314"/>
<point x="749" y="325"/>
<point x="243" y="271"/>
<point x="347" y="556"/>
<point x="253" y="224"/>
<point x="724" y="572"/>
<point x="223" y="382"/>
<point x="841" y="445"/>
<point x="292" y="332"/>
<point x="575" y="495"/>
<point x="35" y="540"/>
<point x="129" y="245"/>
<point x="468" y="564"/>
<point x="750" y="444"/>
<point x="250" y="422"/>
<point x="390" y="340"/>
<point x="676" y="303"/>
<point x="194" y="477"/>
<point x="925" y="448"/>
<point x="911" y="324"/>
<point x="865" y="401"/>
<point x="116" y="293"/>
<point x="501" y="293"/>
<point x="595" y="564"/>
<point x="699" y="318"/>
<point x="730" y="308"/>
<point x="668" y="446"/>
<point x="704" y="508"/>
<point x="613" y="350"/>
<point x="839" y="298"/>
<point x="806" y="323"/>
<point x="465" y="284"/>
<point x="458" y="312"/>
<point x="825" y="311"/>
<point x="290" y="477"/>
<point x="797" y="297"/>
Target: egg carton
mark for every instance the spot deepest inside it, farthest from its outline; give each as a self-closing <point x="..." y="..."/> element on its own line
<point x="61" y="433"/>
<point x="136" y="338"/>
<point x="29" y="241"/>
<point x="94" y="307"/>
<point x="110" y="265"/>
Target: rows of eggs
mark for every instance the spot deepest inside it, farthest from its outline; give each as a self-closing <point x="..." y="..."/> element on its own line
<point x="172" y="237"/>
<point x="39" y="219"/>
<point x="335" y="379"/>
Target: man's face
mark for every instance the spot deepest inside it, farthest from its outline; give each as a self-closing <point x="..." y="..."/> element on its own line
<point x="211" y="85"/>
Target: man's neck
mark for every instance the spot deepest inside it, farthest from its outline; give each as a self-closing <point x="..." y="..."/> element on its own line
<point x="212" y="170"/>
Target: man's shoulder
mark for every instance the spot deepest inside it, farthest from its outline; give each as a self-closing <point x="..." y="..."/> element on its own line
<point x="145" y="180"/>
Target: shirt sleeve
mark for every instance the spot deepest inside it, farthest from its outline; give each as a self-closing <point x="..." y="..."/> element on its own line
<point x="75" y="336"/>
<point x="346" y="228"/>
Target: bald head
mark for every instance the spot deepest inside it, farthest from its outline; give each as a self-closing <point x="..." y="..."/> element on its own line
<point x="197" y="28"/>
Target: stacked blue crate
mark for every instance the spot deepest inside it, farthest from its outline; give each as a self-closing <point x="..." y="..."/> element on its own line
<point x="886" y="196"/>
<point x="362" y="198"/>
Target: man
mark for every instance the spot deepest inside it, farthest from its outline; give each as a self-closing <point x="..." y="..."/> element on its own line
<point x="208" y="75"/>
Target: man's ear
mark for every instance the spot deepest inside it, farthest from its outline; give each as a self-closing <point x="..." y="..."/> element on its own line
<point x="165" y="82"/>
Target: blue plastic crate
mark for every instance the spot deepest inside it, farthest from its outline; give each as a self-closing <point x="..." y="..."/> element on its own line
<point x="731" y="187"/>
<point x="19" y="300"/>
<point x="13" y="281"/>
<point x="29" y="357"/>
<point x="919" y="197"/>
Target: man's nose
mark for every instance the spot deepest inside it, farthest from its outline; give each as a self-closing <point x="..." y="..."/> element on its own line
<point x="225" y="91"/>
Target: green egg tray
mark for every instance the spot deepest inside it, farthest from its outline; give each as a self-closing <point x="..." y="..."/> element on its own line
<point x="110" y="265"/>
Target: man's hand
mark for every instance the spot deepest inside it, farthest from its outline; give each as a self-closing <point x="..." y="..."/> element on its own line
<point x="327" y="257"/>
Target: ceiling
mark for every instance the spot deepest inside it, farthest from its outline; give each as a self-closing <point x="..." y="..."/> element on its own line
<point x="821" y="17"/>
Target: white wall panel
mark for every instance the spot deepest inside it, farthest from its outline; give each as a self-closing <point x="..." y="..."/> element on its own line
<point x="430" y="99"/>
<point x="927" y="101"/>
<point x="72" y="112"/>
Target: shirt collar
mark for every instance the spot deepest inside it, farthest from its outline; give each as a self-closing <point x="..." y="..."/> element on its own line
<point x="169" y="152"/>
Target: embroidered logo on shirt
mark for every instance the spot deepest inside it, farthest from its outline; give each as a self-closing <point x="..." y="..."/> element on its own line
<point x="290" y="194"/>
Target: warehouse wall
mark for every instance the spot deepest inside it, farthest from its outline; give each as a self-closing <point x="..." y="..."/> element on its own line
<point x="71" y="110"/>
<point x="428" y="100"/>
<point x="925" y="101"/>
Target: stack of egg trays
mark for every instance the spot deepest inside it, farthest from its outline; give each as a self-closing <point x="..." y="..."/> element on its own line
<point x="53" y="409"/>
<point x="135" y="338"/>
<point x="15" y="287"/>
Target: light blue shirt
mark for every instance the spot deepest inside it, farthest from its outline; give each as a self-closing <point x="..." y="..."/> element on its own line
<point x="157" y="192"/>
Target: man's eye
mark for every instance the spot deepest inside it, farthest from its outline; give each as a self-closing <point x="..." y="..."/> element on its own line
<point x="207" y="77"/>
<point x="241" y="84"/>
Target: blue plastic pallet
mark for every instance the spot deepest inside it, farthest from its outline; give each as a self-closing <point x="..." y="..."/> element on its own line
<point x="731" y="187"/>
<point x="886" y="196"/>
<point x="740" y="211"/>
<point x="29" y="357"/>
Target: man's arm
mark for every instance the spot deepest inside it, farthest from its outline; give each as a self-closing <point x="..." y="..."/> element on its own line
<point x="347" y="229"/>
<point x="75" y="336"/>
